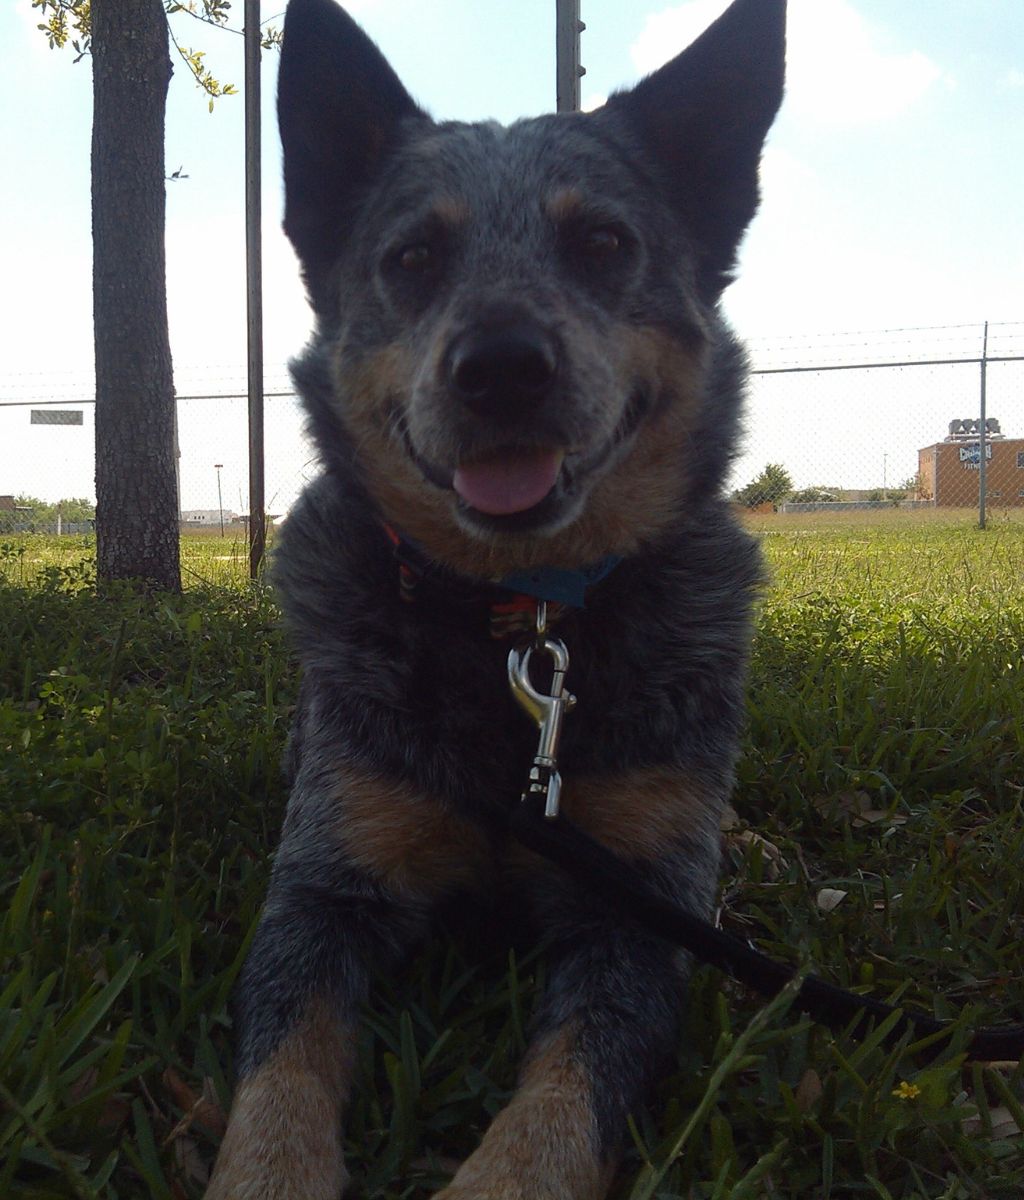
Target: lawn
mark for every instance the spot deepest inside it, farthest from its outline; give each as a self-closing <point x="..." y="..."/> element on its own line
<point x="878" y="835"/>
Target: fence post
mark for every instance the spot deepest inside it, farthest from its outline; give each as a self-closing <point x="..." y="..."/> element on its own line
<point x="982" y="432"/>
<point x="254" y="286"/>
<point x="567" y="55"/>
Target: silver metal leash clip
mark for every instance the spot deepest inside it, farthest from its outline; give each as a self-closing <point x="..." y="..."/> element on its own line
<point x="547" y="709"/>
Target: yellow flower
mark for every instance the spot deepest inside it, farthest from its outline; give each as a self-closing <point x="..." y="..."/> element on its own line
<point x="906" y="1091"/>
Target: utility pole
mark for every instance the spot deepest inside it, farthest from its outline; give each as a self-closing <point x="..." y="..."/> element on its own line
<point x="982" y="439"/>
<point x="220" y="500"/>
<point x="568" y="71"/>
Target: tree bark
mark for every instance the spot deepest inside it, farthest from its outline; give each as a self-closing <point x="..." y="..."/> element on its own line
<point x="137" y="531"/>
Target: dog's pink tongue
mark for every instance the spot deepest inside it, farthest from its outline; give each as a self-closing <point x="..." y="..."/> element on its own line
<point x="509" y="481"/>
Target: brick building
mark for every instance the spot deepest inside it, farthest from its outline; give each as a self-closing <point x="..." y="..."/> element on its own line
<point x="947" y="472"/>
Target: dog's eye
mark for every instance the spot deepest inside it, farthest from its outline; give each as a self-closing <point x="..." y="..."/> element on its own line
<point x="601" y="242"/>
<point x="416" y="258"/>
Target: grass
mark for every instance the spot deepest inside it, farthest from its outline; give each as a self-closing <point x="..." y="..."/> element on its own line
<point x="879" y="836"/>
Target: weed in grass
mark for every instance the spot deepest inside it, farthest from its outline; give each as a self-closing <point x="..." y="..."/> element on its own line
<point x="140" y="743"/>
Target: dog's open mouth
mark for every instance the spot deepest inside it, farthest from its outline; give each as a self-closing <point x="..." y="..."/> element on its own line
<point x="510" y="480"/>
<point x="519" y="487"/>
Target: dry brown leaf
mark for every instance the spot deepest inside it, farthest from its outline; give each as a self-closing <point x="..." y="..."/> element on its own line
<point x="116" y="1109"/>
<point x="872" y="816"/>
<point x="83" y="1085"/>
<point x="843" y="802"/>
<point x="116" y="1112"/>
<point x="211" y="1114"/>
<point x="1003" y="1125"/>
<point x="830" y="898"/>
<point x="190" y="1162"/>
<point x="729" y="819"/>
<point x="771" y="855"/>
<point x="729" y="823"/>
<point x="204" y="1110"/>
<point x="808" y="1090"/>
<point x="182" y="1095"/>
<point x="858" y="806"/>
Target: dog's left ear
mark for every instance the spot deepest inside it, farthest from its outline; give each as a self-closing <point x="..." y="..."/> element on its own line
<point x="702" y="119"/>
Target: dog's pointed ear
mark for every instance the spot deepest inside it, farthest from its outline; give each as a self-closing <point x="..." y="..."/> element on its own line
<point x="703" y="118"/>
<point x="340" y="109"/>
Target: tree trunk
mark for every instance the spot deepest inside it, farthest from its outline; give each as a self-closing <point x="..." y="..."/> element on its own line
<point x="136" y="472"/>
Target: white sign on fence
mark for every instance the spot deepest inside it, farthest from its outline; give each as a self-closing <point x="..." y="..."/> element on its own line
<point x="55" y="416"/>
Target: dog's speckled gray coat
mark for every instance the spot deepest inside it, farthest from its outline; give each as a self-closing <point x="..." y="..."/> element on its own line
<point x="417" y="693"/>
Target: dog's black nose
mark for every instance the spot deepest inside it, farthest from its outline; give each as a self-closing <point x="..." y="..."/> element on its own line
<point x="509" y="364"/>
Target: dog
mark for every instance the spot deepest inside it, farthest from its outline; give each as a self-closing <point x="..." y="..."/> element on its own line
<point x="525" y="401"/>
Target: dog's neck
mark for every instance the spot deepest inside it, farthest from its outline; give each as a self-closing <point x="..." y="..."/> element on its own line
<point x="510" y="602"/>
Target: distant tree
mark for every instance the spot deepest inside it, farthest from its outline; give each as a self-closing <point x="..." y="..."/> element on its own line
<point x="889" y="495"/>
<point x="816" y="495"/>
<point x="772" y="486"/>
<point x="46" y="510"/>
<point x="136" y="488"/>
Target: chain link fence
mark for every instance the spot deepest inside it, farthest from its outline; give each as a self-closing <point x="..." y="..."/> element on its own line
<point x="927" y="417"/>
<point x="920" y="417"/>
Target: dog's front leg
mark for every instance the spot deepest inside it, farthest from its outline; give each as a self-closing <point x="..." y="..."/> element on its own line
<point x="608" y="1021"/>
<point x="303" y="982"/>
<point x="359" y="865"/>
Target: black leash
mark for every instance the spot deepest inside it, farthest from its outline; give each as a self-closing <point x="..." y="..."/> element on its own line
<point x="607" y="875"/>
<point x="537" y="823"/>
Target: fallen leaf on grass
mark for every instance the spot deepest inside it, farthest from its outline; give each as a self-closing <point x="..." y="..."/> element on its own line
<point x="858" y="806"/>
<point x="190" y="1162"/>
<point x="182" y="1095"/>
<point x="116" y="1109"/>
<point x="730" y="819"/>
<point x="808" y="1090"/>
<point x="746" y="839"/>
<point x="830" y="898"/>
<point x="1003" y="1125"/>
<point x="204" y="1110"/>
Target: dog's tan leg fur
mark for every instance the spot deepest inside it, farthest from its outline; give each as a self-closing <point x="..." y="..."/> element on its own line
<point x="283" y="1140"/>
<point x="639" y="814"/>
<point x="542" y="1146"/>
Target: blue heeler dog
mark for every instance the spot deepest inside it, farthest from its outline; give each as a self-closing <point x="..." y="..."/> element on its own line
<point x="525" y="402"/>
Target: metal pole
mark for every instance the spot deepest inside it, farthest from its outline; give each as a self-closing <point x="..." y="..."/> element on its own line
<point x="568" y="27"/>
<point x="254" y="286"/>
<point x="220" y="501"/>
<point x="982" y="441"/>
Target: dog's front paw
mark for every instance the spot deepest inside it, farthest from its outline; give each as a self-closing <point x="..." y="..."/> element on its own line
<point x="518" y="1177"/>
<point x="456" y="1191"/>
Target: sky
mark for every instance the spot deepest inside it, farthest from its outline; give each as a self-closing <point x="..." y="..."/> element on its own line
<point x="890" y="227"/>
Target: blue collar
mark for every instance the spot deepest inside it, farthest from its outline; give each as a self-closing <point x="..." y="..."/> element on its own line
<point x="563" y="586"/>
<point x="560" y="585"/>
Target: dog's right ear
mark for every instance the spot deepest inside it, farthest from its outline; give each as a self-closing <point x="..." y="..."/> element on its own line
<point x="340" y="108"/>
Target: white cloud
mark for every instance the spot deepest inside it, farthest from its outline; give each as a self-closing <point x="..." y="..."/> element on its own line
<point x="1013" y="79"/>
<point x="841" y="68"/>
<point x="666" y="33"/>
